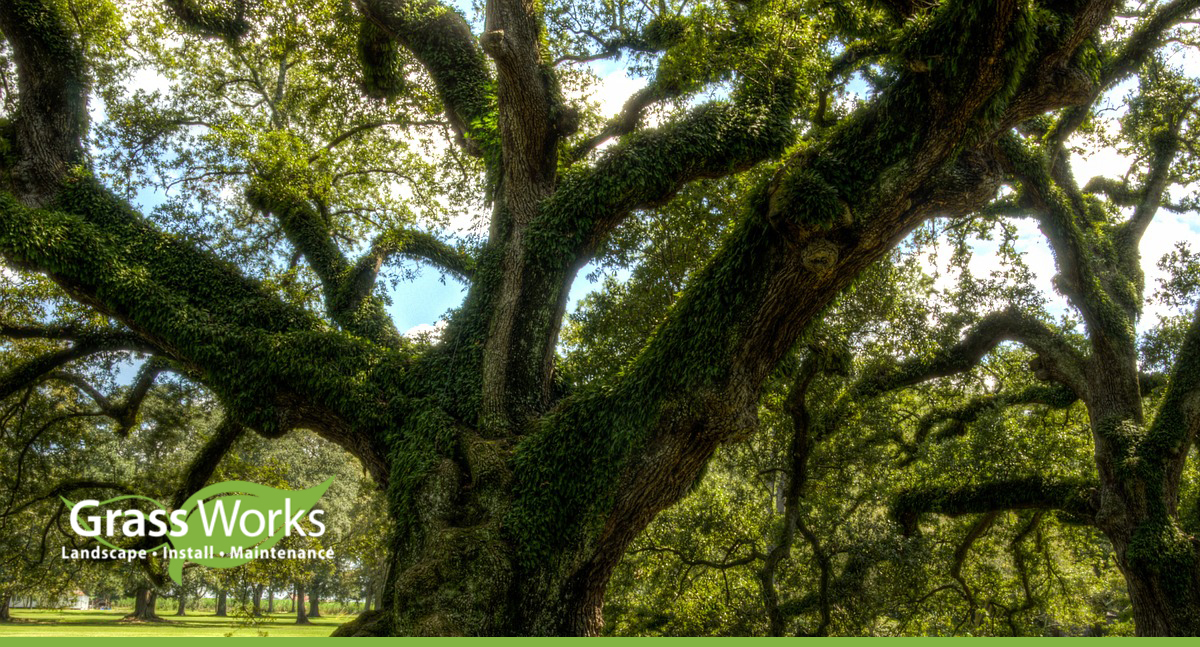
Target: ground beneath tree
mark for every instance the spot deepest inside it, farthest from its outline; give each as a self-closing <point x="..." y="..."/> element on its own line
<point x="80" y="624"/>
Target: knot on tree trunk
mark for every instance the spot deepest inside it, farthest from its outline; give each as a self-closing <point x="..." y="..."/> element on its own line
<point x="820" y="256"/>
<point x="495" y="43"/>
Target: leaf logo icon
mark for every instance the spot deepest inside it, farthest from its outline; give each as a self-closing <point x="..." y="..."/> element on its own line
<point x="239" y="515"/>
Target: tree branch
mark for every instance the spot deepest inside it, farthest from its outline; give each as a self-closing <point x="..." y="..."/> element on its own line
<point x="1059" y="361"/>
<point x="206" y="461"/>
<point x="347" y="289"/>
<point x="70" y="486"/>
<point x="1177" y="425"/>
<point x="124" y="413"/>
<point x="1165" y="146"/>
<point x="977" y="530"/>
<point x="1136" y="49"/>
<point x="1077" y="497"/>
<point x="224" y="21"/>
<point x="624" y="122"/>
<point x="35" y="369"/>
<point x="1054" y="396"/>
<point x="713" y="140"/>
<point x="442" y="41"/>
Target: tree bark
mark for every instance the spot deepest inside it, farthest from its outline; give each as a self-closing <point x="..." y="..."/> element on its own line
<point x="222" y="603"/>
<point x="258" y="591"/>
<point x="1160" y="562"/>
<point x="314" y="607"/>
<point x="144" y="601"/>
<point x="270" y="601"/>
<point x="301" y="614"/>
<point x="182" y="609"/>
<point x="5" y="616"/>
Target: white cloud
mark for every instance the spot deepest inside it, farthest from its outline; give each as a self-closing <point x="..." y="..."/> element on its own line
<point x="431" y="332"/>
<point x="614" y="90"/>
<point x="1164" y="231"/>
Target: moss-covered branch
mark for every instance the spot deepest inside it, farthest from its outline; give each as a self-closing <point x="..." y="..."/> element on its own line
<point x="1177" y="425"/>
<point x="648" y="167"/>
<point x="348" y="289"/>
<point x="225" y="19"/>
<point x="1136" y="49"/>
<point x="832" y="210"/>
<point x="1060" y="361"/>
<point x="1098" y="279"/>
<point x="253" y="350"/>
<point x="442" y="41"/>
<point x="1054" y="396"/>
<point x="624" y="122"/>
<point x="1165" y="145"/>
<point x="1076" y="497"/>
<point x="419" y="246"/>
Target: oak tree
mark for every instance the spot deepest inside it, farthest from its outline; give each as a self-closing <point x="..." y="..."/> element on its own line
<point x="514" y="492"/>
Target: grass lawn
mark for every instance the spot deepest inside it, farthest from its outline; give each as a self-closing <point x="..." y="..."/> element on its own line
<point x="46" y="622"/>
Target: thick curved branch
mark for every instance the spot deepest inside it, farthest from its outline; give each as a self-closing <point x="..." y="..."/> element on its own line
<point x="1060" y="361"/>
<point x="417" y="245"/>
<point x="442" y="41"/>
<point x="224" y="329"/>
<point x="1078" y="498"/>
<point x="832" y="210"/>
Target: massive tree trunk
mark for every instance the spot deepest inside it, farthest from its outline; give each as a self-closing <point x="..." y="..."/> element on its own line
<point x="5" y="615"/>
<point x="182" y="608"/>
<point x="222" y="603"/>
<point x="314" y="606"/>
<point x="1139" y="515"/>
<point x="270" y="601"/>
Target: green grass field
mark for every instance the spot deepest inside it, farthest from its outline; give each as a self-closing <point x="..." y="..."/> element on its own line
<point x="45" y="622"/>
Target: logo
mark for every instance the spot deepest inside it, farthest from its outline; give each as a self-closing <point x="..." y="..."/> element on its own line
<point x="221" y="526"/>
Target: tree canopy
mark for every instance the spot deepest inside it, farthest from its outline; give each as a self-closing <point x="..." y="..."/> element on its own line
<point x="237" y="226"/>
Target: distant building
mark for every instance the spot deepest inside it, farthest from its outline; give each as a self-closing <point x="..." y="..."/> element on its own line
<point x="74" y="600"/>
